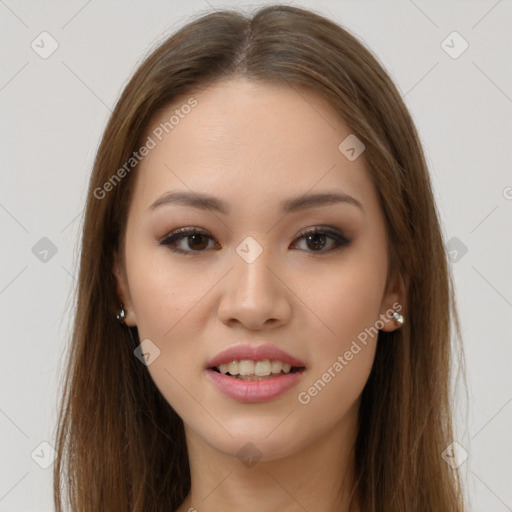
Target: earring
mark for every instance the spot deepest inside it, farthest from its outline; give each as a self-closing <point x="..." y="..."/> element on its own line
<point x="399" y="319"/>
<point x="121" y="315"/>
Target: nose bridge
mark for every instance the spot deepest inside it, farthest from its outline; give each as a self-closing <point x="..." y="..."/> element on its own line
<point x="253" y="294"/>
<point x="252" y="260"/>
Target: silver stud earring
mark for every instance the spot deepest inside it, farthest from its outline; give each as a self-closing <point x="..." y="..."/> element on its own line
<point x="399" y="319"/>
<point x="121" y="315"/>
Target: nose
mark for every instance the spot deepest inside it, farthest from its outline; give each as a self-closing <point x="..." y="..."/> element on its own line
<point x="254" y="294"/>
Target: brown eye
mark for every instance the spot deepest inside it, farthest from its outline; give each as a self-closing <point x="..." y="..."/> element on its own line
<point x="197" y="242"/>
<point x="187" y="241"/>
<point x="316" y="239"/>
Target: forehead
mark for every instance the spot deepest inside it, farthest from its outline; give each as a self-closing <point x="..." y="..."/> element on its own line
<point x="244" y="139"/>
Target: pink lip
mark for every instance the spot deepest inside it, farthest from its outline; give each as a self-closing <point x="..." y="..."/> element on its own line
<point x="254" y="390"/>
<point x="253" y="353"/>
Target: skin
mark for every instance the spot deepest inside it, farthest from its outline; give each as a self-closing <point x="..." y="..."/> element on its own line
<point x="253" y="145"/>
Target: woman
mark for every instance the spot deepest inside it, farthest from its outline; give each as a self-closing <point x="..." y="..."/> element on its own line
<point x="264" y="304"/>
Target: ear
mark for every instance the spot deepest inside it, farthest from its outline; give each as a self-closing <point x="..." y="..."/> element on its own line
<point x="123" y="290"/>
<point x="393" y="300"/>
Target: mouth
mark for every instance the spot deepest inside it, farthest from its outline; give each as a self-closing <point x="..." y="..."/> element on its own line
<point x="249" y="373"/>
<point x="249" y="370"/>
<point x="254" y="373"/>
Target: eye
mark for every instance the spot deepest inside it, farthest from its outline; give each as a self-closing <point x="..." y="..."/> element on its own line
<point x="316" y="238"/>
<point x="198" y="240"/>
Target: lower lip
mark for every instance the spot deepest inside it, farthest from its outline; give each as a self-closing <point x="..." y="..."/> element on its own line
<point x="251" y="391"/>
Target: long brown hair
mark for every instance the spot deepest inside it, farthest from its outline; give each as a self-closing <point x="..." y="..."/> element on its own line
<point x="120" y="445"/>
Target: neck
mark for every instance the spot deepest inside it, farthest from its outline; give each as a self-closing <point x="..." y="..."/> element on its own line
<point x="320" y="476"/>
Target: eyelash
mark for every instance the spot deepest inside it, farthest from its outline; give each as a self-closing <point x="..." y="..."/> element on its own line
<point x="181" y="233"/>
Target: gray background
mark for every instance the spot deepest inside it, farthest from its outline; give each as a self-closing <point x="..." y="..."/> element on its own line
<point x="54" y="110"/>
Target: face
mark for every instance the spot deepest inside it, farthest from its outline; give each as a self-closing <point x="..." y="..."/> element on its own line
<point x="257" y="266"/>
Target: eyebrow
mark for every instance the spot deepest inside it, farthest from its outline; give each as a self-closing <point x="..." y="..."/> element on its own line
<point x="294" y="204"/>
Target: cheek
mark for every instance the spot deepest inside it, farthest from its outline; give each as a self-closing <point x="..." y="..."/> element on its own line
<point x="164" y="293"/>
<point x="344" y="348"/>
<point x="345" y="340"/>
<point x="170" y="302"/>
<point x="347" y="302"/>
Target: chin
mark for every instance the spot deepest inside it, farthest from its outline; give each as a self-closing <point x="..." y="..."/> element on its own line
<point x="264" y="439"/>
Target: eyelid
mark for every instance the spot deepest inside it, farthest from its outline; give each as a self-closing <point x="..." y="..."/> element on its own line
<point x="189" y="230"/>
<point x="327" y="230"/>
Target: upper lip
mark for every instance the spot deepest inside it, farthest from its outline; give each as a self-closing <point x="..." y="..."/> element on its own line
<point x="254" y="353"/>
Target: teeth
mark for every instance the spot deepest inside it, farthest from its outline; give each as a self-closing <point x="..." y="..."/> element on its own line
<point x="262" y="368"/>
<point x="246" y="367"/>
<point x="249" y="369"/>
<point x="276" y="366"/>
<point x="233" y="367"/>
